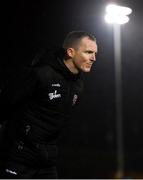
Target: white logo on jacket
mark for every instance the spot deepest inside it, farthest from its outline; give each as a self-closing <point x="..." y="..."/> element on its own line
<point x="10" y="171"/>
<point x="56" y="85"/>
<point x="54" y="95"/>
<point x="75" y="97"/>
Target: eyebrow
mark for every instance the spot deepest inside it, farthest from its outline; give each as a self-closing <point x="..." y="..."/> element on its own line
<point x="90" y="51"/>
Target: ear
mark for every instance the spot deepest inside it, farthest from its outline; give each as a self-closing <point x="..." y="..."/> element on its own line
<point x="70" y="52"/>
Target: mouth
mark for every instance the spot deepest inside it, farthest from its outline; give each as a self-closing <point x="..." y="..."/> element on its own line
<point x="89" y="64"/>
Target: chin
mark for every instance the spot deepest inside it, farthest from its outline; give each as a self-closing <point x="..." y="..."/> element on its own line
<point x="86" y="70"/>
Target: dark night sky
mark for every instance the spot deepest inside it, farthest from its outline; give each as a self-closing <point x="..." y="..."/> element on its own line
<point x="90" y="144"/>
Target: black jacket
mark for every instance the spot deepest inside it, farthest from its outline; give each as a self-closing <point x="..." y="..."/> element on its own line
<point x="42" y="98"/>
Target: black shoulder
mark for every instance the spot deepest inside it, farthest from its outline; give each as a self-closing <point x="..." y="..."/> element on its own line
<point x="44" y="73"/>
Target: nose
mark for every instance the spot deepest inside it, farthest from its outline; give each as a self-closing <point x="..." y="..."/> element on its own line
<point x="93" y="58"/>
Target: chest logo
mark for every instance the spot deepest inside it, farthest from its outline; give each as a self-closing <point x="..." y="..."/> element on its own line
<point x="75" y="97"/>
<point x="56" y="85"/>
<point x="54" y="95"/>
<point x="10" y="171"/>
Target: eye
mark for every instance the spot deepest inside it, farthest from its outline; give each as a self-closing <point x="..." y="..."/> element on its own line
<point x="89" y="52"/>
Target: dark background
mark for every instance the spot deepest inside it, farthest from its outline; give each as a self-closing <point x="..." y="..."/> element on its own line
<point x="88" y="144"/>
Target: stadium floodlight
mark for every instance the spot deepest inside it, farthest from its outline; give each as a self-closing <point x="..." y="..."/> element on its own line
<point x="117" y="14"/>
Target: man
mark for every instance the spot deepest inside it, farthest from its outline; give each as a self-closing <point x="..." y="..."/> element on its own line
<point x="41" y="100"/>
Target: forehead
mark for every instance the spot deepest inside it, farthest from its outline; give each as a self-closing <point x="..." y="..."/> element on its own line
<point x="87" y="43"/>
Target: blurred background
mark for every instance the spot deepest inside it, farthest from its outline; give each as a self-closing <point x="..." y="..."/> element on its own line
<point x="88" y="146"/>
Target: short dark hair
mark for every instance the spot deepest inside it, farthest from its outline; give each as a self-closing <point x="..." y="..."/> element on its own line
<point x="74" y="37"/>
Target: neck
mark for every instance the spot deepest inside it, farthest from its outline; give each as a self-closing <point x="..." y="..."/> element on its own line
<point x="70" y="65"/>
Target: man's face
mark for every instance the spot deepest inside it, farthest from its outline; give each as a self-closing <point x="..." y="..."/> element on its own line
<point x="85" y="55"/>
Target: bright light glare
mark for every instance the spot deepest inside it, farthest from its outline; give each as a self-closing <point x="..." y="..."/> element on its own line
<point x="117" y="14"/>
<point x="116" y="19"/>
<point x="118" y="10"/>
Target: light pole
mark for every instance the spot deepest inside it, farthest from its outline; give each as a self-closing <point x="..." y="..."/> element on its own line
<point x="117" y="15"/>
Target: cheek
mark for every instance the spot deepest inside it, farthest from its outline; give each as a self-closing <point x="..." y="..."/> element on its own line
<point x="77" y="60"/>
<point x="83" y="65"/>
<point x="81" y="60"/>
